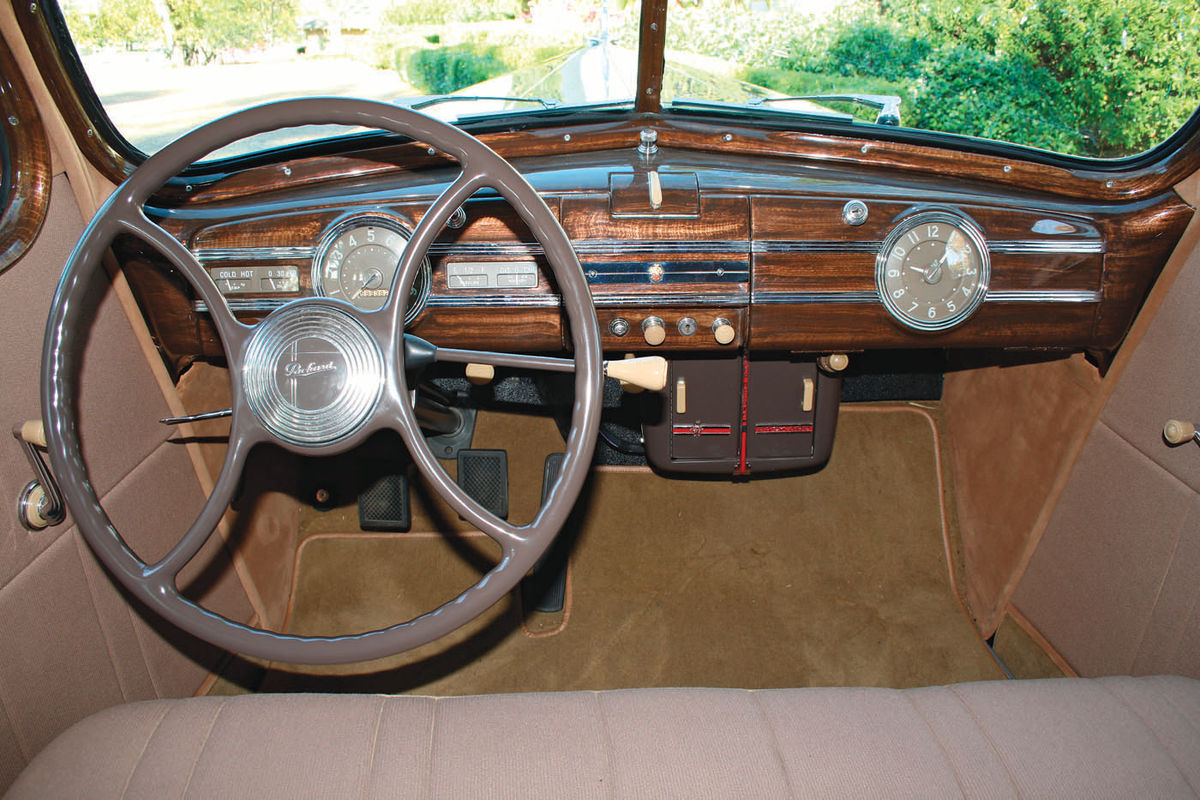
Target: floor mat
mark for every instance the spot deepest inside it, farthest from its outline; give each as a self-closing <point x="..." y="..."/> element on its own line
<point x="835" y="578"/>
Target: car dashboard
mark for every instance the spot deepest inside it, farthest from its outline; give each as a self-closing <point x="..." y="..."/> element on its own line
<point x="747" y="262"/>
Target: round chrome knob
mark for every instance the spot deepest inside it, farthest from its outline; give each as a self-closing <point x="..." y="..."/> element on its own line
<point x="686" y="326"/>
<point x="654" y="331"/>
<point x="619" y="326"/>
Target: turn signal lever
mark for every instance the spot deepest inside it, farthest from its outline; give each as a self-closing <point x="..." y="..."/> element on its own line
<point x="1177" y="431"/>
<point x="40" y="504"/>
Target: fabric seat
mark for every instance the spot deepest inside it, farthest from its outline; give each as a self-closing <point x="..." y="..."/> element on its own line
<point x="1108" y="737"/>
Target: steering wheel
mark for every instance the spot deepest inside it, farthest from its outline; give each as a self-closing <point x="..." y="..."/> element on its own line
<point x="317" y="377"/>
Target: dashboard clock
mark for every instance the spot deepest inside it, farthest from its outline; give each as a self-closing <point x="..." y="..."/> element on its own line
<point x="932" y="270"/>
<point x="357" y="260"/>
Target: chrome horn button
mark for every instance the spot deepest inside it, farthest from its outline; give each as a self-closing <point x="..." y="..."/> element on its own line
<point x="313" y="374"/>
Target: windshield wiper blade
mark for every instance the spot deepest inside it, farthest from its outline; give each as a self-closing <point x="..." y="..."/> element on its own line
<point x="816" y="114"/>
<point x="417" y="103"/>
<point x="888" y="105"/>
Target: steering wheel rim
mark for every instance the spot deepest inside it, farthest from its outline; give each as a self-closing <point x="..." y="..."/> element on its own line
<point x="154" y="584"/>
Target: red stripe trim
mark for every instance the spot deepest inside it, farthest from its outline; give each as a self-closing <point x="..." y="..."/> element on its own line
<point x="783" y="428"/>
<point x="741" y="468"/>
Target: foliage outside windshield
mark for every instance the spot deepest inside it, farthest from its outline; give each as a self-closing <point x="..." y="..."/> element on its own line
<point x="1100" y="78"/>
<point x="1097" y="78"/>
<point x="162" y="67"/>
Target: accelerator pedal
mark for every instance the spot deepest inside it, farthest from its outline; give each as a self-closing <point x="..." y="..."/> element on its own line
<point x="545" y="588"/>
<point x="384" y="506"/>
<point x="483" y="474"/>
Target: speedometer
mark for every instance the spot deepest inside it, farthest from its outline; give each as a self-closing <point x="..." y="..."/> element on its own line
<point x="357" y="262"/>
<point x="932" y="270"/>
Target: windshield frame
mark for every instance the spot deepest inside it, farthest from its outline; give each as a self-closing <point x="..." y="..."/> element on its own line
<point x="46" y="33"/>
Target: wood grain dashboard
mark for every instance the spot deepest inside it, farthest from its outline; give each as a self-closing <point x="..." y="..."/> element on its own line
<point x="763" y="245"/>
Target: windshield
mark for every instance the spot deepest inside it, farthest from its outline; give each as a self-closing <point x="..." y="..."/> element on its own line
<point x="1096" y="78"/>
<point x="162" y="67"/>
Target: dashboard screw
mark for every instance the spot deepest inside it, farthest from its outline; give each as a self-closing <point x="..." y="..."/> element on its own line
<point x="12" y="120"/>
<point x="431" y="151"/>
<point x="1007" y="168"/>
<point x="1108" y="184"/>
<point x="566" y="137"/>
<point x="727" y="137"/>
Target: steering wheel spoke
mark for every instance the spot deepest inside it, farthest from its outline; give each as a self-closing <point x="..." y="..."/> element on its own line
<point x="242" y="438"/>
<point x="233" y="333"/>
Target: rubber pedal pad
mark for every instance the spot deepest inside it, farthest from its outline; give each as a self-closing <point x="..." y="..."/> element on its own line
<point x="545" y="588"/>
<point x="384" y="505"/>
<point x="483" y="474"/>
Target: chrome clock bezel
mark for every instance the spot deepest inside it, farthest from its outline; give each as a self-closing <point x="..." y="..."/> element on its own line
<point x="973" y="233"/>
<point x="423" y="283"/>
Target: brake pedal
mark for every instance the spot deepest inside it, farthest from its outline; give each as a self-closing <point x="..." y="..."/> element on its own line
<point x="544" y="589"/>
<point x="483" y="474"/>
<point x="384" y="505"/>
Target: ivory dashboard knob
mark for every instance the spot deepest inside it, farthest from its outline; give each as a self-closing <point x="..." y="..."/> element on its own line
<point x="1177" y="431"/>
<point x="723" y="331"/>
<point x="654" y="331"/>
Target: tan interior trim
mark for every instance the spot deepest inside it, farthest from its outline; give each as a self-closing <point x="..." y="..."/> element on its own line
<point x="91" y="190"/>
<point x="886" y="408"/>
<point x="1189" y="191"/>
<point x="1041" y="641"/>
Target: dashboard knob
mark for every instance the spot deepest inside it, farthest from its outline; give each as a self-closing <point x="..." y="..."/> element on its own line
<point x="654" y="331"/>
<point x="723" y="331"/>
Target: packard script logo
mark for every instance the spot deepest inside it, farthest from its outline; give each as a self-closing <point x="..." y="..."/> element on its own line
<point x="294" y="369"/>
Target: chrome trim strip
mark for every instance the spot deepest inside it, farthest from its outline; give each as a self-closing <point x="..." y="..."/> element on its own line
<point x="1044" y="296"/>
<point x="246" y="305"/>
<point x="491" y="300"/>
<point x="814" y="246"/>
<point x="1046" y="246"/>
<point x="647" y="246"/>
<point x="787" y="298"/>
<point x="600" y="301"/>
<point x="672" y="299"/>
<point x="485" y="249"/>
<point x="993" y="296"/>
<point x="206" y="255"/>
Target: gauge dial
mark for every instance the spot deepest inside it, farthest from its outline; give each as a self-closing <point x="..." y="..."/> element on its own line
<point x="932" y="271"/>
<point x="357" y="262"/>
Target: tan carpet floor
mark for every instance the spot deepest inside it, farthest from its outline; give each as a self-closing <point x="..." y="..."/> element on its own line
<point x="834" y="578"/>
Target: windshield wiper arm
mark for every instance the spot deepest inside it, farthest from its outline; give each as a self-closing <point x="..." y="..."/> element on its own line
<point x="888" y="105"/>
<point x="721" y="105"/>
<point x="417" y="103"/>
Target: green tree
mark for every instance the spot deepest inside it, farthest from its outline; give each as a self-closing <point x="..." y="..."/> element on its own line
<point x="204" y="29"/>
<point x="118" y="23"/>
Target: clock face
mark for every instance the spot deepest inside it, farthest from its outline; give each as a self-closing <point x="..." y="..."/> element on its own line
<point x="932" y="271"/>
